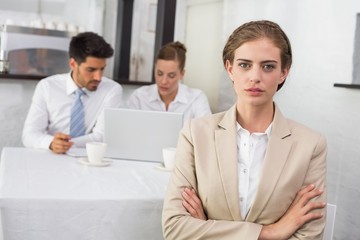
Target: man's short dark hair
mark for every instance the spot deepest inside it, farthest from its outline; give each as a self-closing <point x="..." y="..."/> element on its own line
<point x="89" y="44"/>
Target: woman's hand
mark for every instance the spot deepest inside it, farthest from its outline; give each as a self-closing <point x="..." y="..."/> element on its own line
<point x="192" y="204"/>
<point x="299" y="213"/>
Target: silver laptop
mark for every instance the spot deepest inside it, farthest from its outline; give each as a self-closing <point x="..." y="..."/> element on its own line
<point x="139" y="134"/>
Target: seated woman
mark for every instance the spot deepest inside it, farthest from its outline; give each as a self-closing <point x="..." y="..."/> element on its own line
<point x="168" y="94"/>
<point x="249" y="173"/>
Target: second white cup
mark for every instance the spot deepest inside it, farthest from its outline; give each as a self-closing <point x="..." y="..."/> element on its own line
<point x="169" y="157"/>
<point x="95" y="152"/>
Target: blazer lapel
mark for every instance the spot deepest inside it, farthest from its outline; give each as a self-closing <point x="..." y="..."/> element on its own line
<point x="275" y="158"/>
<point x="226" y="149"/>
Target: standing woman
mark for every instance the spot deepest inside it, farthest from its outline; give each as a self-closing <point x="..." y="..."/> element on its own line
<point x="249" y="173"/>
<point x="168" y="94"/>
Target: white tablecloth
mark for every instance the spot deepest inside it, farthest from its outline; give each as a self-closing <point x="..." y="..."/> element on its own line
<point x="45" y="196"/>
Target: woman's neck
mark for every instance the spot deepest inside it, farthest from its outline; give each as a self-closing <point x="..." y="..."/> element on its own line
<point x="167" y="99"/>
<point x="255" y="118"/>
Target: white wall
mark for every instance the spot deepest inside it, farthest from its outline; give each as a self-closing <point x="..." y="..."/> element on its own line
<point x="202" y="39"/>
<point x="15" y="96"/>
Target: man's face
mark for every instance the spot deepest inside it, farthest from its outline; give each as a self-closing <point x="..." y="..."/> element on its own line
<point x="88" y="74"/>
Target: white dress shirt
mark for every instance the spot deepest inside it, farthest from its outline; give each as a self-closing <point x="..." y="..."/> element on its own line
<point x="49" y="112"/>
<point x="192" y="102"/>
<point x="251" y="152"/>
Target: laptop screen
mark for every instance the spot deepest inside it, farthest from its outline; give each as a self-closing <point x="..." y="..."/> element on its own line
<point x="139" y="134"/>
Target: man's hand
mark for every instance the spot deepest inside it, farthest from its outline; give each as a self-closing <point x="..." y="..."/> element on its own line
<point x="61" y="143"/>
<point x="192" y="204"/>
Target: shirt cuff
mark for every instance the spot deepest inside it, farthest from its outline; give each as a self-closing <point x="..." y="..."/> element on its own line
<point x="46" y="141"/>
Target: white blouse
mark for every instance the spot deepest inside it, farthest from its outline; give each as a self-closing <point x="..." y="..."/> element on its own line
<point x="251" y="150"/>
<point x="191" y="102"/>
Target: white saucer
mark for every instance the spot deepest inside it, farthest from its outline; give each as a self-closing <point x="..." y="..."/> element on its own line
<point x="163" y="168"/>
<point x="85" y="161"/>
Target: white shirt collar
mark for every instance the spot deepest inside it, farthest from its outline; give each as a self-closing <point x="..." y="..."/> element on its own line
<point x="267" y="131"/>
<point x="180" y="96"/>
<point x="71" y="87"/>
<point x="70" y="84"/>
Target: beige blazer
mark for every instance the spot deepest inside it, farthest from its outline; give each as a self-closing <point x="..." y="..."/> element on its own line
<point x="207" y="161"/>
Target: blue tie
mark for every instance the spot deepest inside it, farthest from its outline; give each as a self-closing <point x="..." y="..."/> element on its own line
<point x="77" y="122"/>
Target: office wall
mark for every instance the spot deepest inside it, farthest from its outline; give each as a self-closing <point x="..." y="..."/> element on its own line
<point x="15" y="97"/>
<point x="203" y="31"/>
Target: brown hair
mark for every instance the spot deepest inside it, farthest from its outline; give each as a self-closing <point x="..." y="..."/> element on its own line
<point x="255" y="30"/>
<point x="173" y="51"/>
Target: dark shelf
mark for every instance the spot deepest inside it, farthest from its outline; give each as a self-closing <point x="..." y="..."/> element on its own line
<point x="39" y="77"/>
<point x="21" y="76"/>
<point x="353" y="86"/>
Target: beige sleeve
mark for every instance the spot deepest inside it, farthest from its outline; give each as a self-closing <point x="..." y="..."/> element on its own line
<point x="177" y="222"/>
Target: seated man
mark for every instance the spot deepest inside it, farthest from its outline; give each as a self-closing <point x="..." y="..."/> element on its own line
<point x="65" y="108"/>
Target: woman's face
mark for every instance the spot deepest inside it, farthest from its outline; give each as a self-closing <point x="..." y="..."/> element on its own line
<point x="256" y="72"/>
<point x="167" y="77"/>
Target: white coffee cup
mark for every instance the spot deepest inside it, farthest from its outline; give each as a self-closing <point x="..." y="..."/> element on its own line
<point x="169" y="157"/>
<point x="4" y="66"/>
<point x="95" y="152"/>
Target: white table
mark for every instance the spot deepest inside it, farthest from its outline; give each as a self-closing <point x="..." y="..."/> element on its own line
<point x="47" y="196"/>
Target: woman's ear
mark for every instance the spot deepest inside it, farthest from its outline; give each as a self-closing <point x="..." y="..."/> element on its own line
<point x="182" y="73"/>
<point x="284" y="74"/>
<point x="229" y="69"/>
